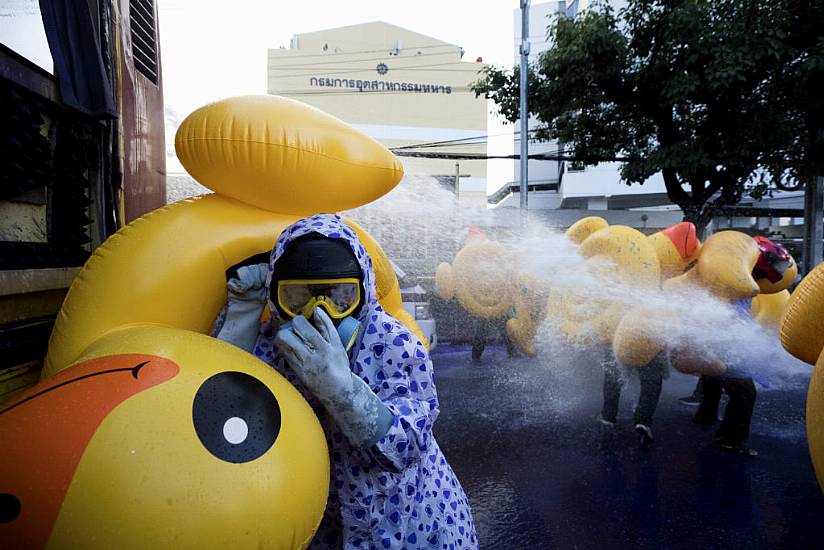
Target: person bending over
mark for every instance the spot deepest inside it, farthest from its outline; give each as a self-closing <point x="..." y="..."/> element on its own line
<point x="368" y="379"/>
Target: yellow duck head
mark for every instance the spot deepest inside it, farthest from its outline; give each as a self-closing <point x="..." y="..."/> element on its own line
<point x="480" y="277"/>
<point x="195" y="444"/>
<point x="774" y="272"/>
<point x="677" y="247"/>
<point x="724" y="267"/>
<point x="775" y="269"/>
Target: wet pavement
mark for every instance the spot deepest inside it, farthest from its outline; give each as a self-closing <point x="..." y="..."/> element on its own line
<point x="541" y="472"/>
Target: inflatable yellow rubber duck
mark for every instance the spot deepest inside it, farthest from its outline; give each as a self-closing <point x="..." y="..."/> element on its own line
<point x="614" y="253"/>
<point x="487" y="283"/>
<point x="724" y="266"/>
<point x="677" y="247"/>
<point x="142" y="414"/>
<point x="774" y="272"/>
<point x="197" y="444"/>
<point x="480" y="277"/>
<point x="802" y="335"/>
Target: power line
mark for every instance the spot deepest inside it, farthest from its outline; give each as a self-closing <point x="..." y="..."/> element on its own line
<point x="481" y="156"/>
<point x="458" y="141"/>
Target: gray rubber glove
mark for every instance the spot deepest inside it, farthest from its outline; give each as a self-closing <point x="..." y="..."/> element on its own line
<point x="318" y="357"/>
<point x="246" y="299"/>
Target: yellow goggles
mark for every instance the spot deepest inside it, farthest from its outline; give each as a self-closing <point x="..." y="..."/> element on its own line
<point x="339" y="297"/>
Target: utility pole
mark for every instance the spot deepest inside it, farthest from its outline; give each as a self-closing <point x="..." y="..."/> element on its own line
<point x="458" y="179"/>
<point x="813" y="222"/>
<point x="524" y="110"/>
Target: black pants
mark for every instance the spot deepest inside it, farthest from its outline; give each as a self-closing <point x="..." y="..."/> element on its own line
<point x="735" y="428"/>
<point x="488" y="328"/>
<point x="650" y="376"/>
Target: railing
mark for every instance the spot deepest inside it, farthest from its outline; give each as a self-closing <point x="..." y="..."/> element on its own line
<point x="513" y="187"/>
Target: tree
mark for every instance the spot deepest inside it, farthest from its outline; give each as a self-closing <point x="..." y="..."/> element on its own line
<point x="722" y="97"/>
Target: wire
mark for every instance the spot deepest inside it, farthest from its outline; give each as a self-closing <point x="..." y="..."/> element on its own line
<point x="481" y="156"/>
<point x="457" y="141"/>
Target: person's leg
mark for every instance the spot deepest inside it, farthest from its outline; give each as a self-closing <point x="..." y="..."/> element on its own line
<point x="511" y="350"/>
<point x="612" y="391"/>
<point x="697" y="396"/>
<point x="651" y="378"/>
<point x="707" y="414"/>
<point x="735" y="428"/>
<point x="478" y="340"/>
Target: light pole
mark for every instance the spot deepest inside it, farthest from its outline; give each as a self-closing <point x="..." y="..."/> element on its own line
<point x="813" y="213"/>
<point x="524" y="110"/>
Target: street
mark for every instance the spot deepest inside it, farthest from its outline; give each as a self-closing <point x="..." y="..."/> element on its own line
<point x="541" y="471"/>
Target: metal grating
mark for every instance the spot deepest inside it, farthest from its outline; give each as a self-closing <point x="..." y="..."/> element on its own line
<point x="62" y="164"/>
<point x="144" y="37"/>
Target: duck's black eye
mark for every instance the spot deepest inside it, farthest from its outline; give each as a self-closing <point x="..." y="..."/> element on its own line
<point x="9" y="508"/>
<point x="236" y="417"/>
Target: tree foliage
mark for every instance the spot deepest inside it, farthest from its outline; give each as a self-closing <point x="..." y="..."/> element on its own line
<point x="722" y="97"/>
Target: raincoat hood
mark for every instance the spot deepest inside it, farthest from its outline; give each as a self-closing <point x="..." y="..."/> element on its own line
<point x="332" y="227"/>
<point x="401" y="492"/>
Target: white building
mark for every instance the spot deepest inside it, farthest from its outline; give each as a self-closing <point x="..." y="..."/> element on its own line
<point x="398" y="86"/>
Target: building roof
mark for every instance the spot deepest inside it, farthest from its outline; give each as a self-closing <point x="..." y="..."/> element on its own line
<point x="373" y="34"/>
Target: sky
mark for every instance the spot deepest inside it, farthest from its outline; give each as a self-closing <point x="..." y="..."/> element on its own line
<point x="212" y="49"/>
<point x="215" y="48"/>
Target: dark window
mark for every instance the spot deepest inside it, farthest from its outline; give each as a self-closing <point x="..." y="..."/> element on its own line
<point x="144" y="37"/>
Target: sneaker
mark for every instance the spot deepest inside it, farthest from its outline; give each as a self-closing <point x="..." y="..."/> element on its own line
<point x="737" y="448"/>
<point x="645" y="433"/>
<point x="690" y="401"/>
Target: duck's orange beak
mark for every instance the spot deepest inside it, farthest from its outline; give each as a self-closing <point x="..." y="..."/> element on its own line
<point x="683" y="235"/>
<point x="45" y="431"/>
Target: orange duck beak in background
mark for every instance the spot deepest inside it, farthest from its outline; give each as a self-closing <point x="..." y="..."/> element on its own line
<point x="677" y="247"/>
